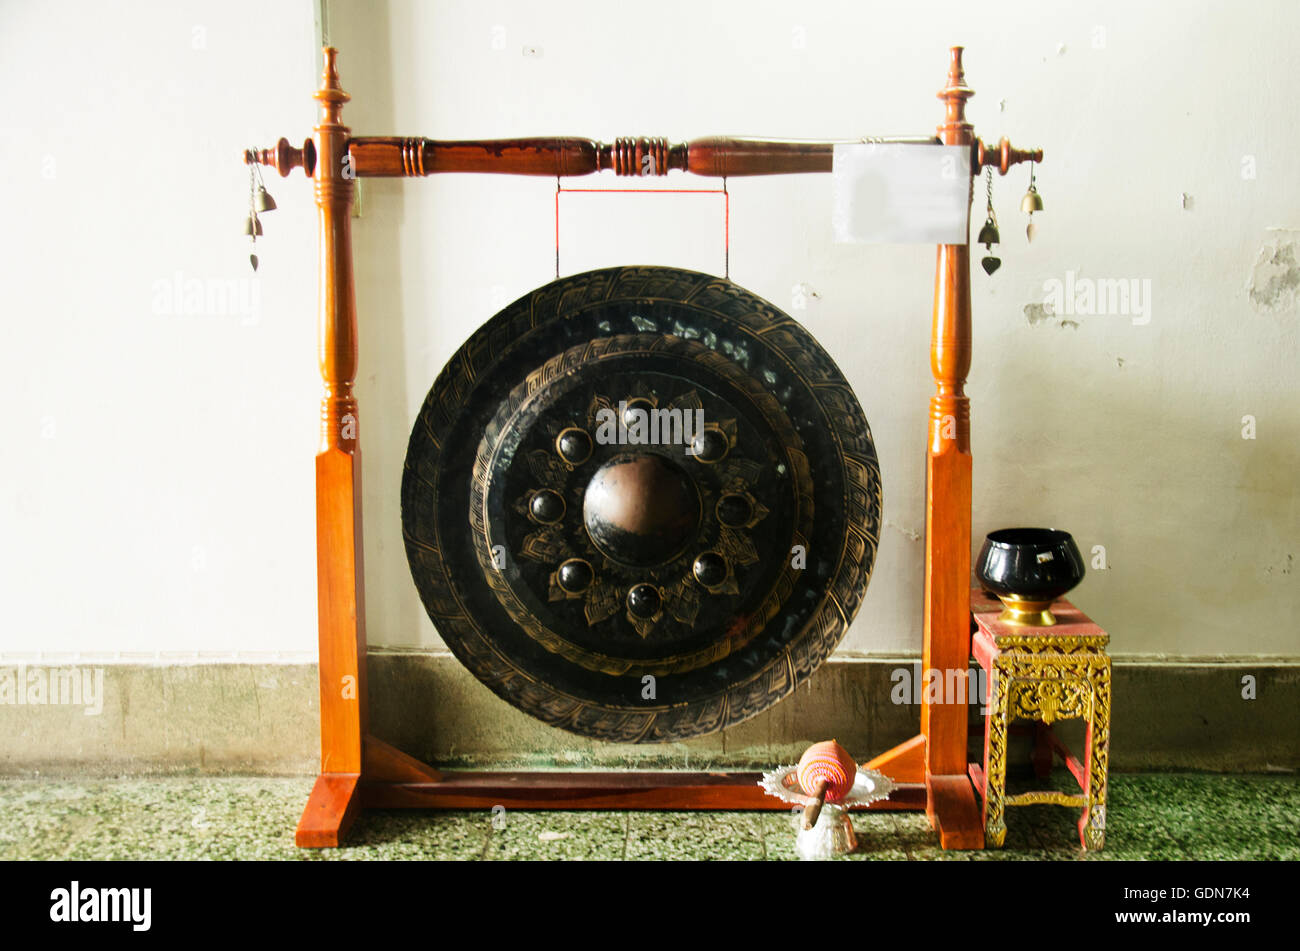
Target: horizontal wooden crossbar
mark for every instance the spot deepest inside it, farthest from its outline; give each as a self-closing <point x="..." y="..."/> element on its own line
<point x="614" y="789"/>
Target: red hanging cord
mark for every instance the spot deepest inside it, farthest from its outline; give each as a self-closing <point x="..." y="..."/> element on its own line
<point x="726" y="220"/>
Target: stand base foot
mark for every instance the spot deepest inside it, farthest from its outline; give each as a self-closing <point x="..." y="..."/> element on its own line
<point x="330" y="810"/>
<point x="953" y="812"/>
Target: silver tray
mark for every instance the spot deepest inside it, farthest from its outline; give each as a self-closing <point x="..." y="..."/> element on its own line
<point x="869" y="786"/>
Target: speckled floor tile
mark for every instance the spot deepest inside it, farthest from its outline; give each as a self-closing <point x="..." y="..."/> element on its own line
<point x="777" y="830"/>
<point x="533" y="836"/>
<point x="427" y="835"/>
<point x="1150" y="817"/>
<point x="912" y="834"/>
<point x="877" y="835"/>
<point x="694" y="835"/>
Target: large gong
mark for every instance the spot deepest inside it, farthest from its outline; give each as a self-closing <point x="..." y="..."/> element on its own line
<point x="641" y="504"/>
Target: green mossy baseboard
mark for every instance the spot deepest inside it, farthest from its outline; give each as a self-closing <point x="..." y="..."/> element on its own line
<point x="216" y="719"/>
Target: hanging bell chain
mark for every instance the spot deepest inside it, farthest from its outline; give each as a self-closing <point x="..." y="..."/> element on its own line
<point x="989" y="233"/>
<point x="258" y="200"/>
<point x="1031" y="203"/>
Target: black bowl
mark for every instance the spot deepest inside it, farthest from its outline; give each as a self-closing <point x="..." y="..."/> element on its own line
<point x="1028" y="569"/>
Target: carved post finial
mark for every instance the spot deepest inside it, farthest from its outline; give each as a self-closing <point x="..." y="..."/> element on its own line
<point x="329" y="77"/>
<point x="956" y="75"/>
<point x="955" y="94"/>
<point x="331" y="95"/>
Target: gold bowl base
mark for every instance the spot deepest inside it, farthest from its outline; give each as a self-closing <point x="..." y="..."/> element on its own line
<point x="1026" y="613"/>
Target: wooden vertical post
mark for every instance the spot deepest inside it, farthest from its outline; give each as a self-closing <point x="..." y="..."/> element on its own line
<point x="340" y="602"/>
<point x="951" y="801"/>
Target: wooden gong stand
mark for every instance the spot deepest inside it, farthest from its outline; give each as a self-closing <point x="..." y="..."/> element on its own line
<point x="358" y="770"/>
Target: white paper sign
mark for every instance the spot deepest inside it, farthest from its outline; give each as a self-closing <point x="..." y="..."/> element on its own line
<point x="901" y="194"/>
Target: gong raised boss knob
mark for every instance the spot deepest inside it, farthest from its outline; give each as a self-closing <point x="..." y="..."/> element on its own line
<point x="574" y="446"/>
<point x="547" y="506"/>
<point x="710" y="446"/>
<point x="644" y="600"/>
<point x="710" y="569"/>
<point x="641" y="509"/>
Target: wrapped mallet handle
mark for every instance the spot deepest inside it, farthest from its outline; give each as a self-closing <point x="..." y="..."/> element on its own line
<point x="814" y="807"/>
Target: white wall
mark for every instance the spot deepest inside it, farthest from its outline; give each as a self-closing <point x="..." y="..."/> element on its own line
<point x="139" y="438"/>
<point x="157" y="476"/>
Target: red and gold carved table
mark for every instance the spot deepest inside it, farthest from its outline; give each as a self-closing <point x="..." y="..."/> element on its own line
<point x="1043" y="674"/>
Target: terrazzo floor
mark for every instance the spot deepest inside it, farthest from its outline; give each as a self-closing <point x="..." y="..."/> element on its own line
<point x="1151" y="816"/>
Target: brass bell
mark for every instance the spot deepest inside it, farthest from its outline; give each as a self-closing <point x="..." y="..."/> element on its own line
<point x="252" y="226"/>
<point x="989" y="233"/>
<point x="1032" y="201"/>
<point x="264" y="201"/>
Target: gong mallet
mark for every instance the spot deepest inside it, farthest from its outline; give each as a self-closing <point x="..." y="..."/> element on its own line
<point x="826" y="772"/>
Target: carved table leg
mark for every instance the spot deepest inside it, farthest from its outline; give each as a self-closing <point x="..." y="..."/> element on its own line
<point x="1092" y="824"/>
<point x="995" y="758"/>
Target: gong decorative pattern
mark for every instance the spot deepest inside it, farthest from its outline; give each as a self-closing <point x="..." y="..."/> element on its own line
<point x="641" y="504"/>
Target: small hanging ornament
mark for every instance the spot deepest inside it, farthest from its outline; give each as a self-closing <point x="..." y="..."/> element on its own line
<point x="989" y="233"/>
<point x="259" y="201"/>
<point x="1031" y="203"/>
<point x="263" y="201"/>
